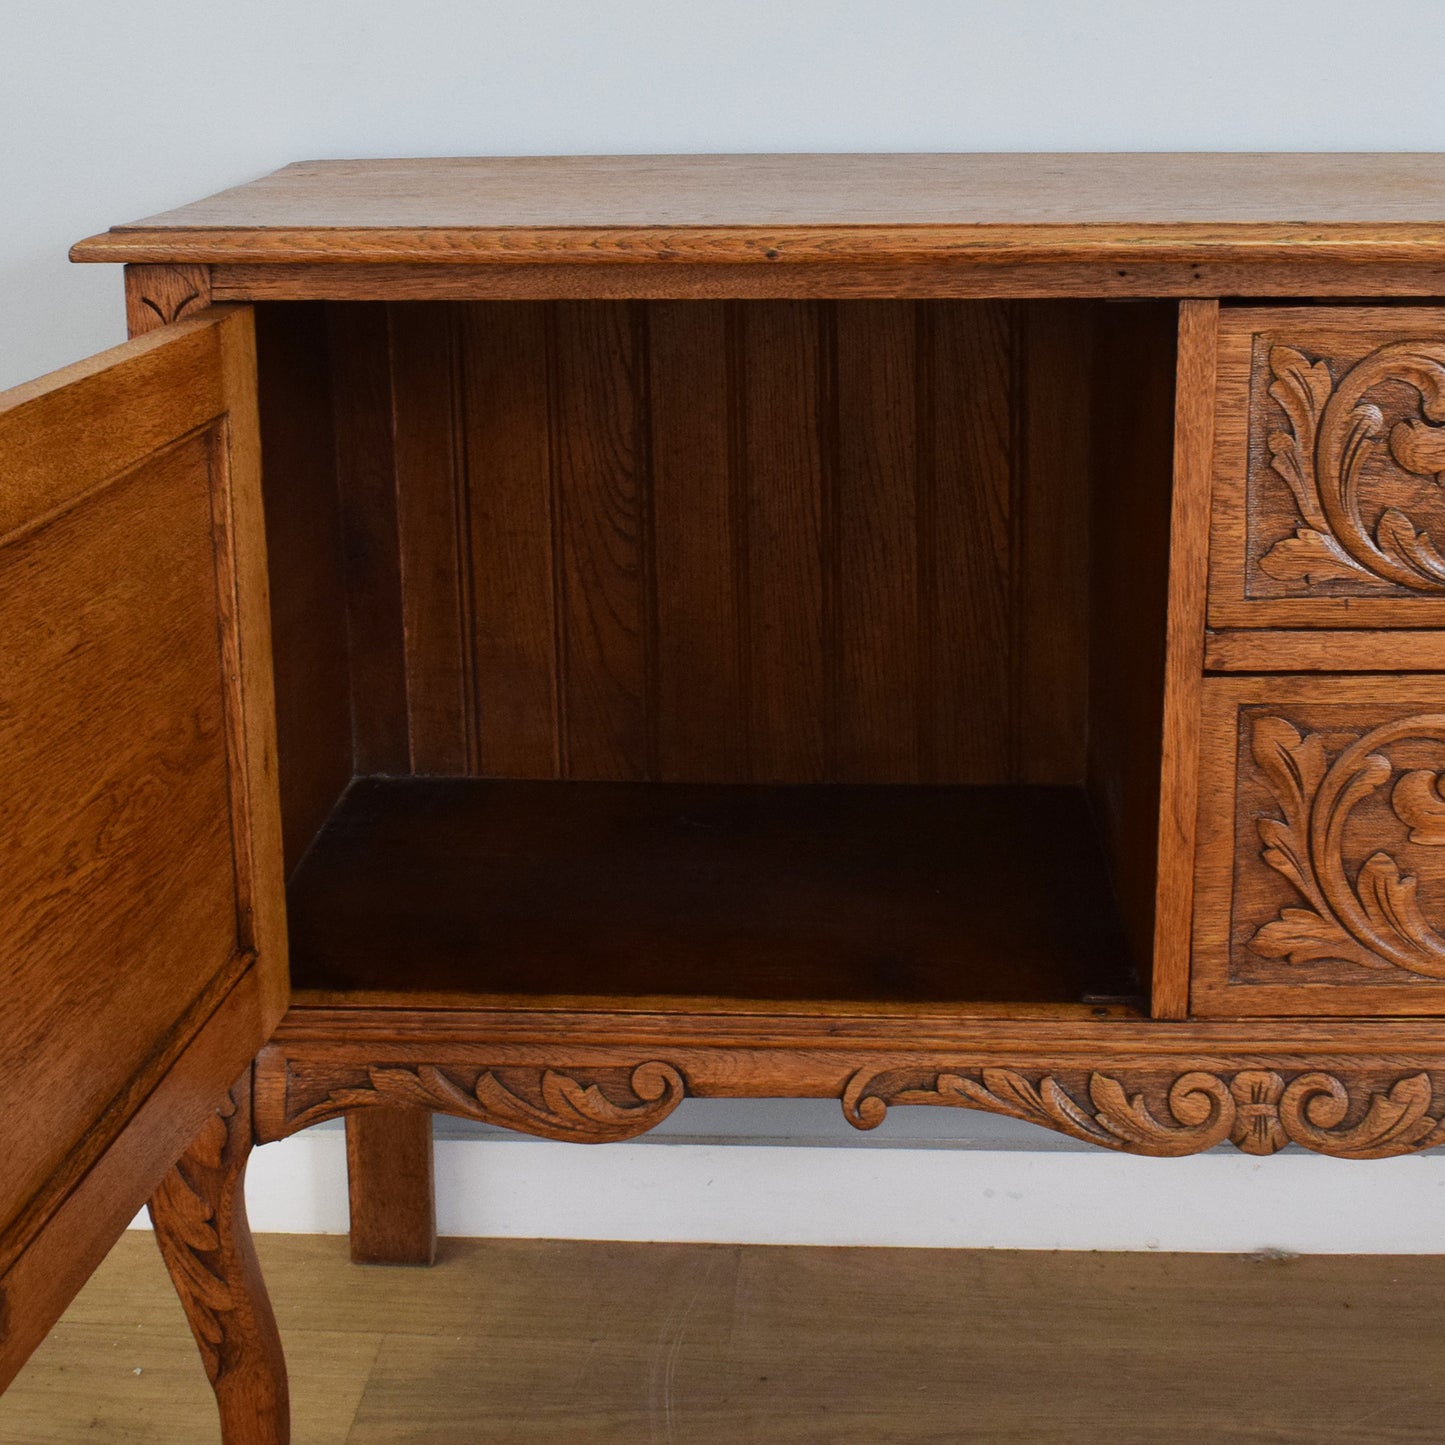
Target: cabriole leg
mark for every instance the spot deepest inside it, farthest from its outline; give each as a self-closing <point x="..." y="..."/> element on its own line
<point x="199" y="1213"/>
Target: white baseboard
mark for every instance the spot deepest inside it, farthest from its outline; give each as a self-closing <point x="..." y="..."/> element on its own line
<point x="938" y="1180"/>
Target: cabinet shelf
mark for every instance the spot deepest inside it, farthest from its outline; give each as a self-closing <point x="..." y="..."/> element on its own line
<point x="455" y="892"/>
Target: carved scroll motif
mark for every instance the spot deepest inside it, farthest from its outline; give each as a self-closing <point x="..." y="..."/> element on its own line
<point x="565" y="1109"/>
<point x="1333" y="431"/>
<point x="1374" y="918"/>
<point x="1257" y="1110"/>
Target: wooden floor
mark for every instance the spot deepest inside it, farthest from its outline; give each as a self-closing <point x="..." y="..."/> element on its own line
<point x="524" y="1341"/>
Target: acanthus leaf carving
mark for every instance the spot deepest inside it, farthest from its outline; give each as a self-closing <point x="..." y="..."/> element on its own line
<point x="1420" y="805"/>
<point x="568" y="1109"/>
<point x="1333" y="432"/>
<point x="184" y="1216"/>
<point x="1374" y="919"/>
<point x="1255" y="1109"/>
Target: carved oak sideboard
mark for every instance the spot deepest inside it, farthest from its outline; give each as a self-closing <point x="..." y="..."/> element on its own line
<point x="536" y="640"/>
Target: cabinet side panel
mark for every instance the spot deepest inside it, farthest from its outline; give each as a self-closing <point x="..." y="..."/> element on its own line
<point x="303" y="545"/>
<point x="1180" y="777"/>
<point x="1133" y="442"/>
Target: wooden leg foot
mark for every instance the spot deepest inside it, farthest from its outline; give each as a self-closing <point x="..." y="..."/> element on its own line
<point x="393" y="1196"/>
<point x="199" y="1213"/>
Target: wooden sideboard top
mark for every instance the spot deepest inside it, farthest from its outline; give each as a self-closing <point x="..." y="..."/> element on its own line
<point x="980" y="208"/>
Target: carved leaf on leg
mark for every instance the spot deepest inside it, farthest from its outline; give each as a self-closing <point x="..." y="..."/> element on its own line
<point x="199" y="1214"/>
<point x="1255" y="1109"/>
<point x="184" y="1218"/>
<point x="567" y="1109"/>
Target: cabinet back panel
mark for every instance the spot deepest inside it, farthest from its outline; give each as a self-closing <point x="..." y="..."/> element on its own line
<point x="717" y="541"/>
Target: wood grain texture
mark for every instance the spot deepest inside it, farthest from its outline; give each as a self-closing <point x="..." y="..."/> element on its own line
<point x="1136" y="278"/>
<point x="94" y="1214"/>
<point x="391" y="1186"/>
<point x="118" y="837"/>
<point x="701" y="543"/>
<point x="1184" y="655"/>
<point x="306" y="566"/>
<point x="1108" y="1082"/>
<point x="432" y="529"/>
<point x="975" y="506"/>
<point x="787" y="210"/>
<point x="130" y="732"/>
<point x="199" y="1216"/>
<point x="605" y="558"/>
<point x="1131" y="410"/>
<point x="509" y="1342"/>
<point x="457" y="890"/>
<point x="1329" y="443"/>
<point x="731" y="543"/>
<point x="873" y="540"/>
<point x="782" y="404"/>
<point x="367" y="464"/>
<point x="141" y="828"/>
<point x="507" y="560"/>
<point x="1320" y="874"/>
<point x="1321" y="650"/>
<point x="803" y="1050"/>
<point x="1050" y="524"/>
<point x="243" y="605"/>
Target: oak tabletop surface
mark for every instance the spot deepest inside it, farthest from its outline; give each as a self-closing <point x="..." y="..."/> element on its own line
<point x="799" y="207"/>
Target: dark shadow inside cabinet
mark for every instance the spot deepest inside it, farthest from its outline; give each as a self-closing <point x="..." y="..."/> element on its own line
<point x="720" y="655"/>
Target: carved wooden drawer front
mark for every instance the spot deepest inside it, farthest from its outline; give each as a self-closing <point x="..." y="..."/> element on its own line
<point x="1320" y="875"/>
<point x="1329" y="454"/>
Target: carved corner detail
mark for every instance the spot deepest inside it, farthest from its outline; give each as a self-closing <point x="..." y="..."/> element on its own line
<point x="156" y="296"/>
<point x="532" y="1100"/>
<point x="1374" y="919"/>
<point x="1332" y="432"/>
<point x="1257" y="1110"/>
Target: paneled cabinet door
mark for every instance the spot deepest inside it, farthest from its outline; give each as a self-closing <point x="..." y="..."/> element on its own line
<point x="1320" y="875"/>
<point x="142" y="936"/>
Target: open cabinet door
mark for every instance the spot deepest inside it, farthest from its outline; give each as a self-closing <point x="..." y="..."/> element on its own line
<point x="142" y="928"/>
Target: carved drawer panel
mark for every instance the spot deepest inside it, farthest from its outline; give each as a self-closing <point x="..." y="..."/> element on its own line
<point x="1320" y="871"/>
<point x="1329" y="454"/>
